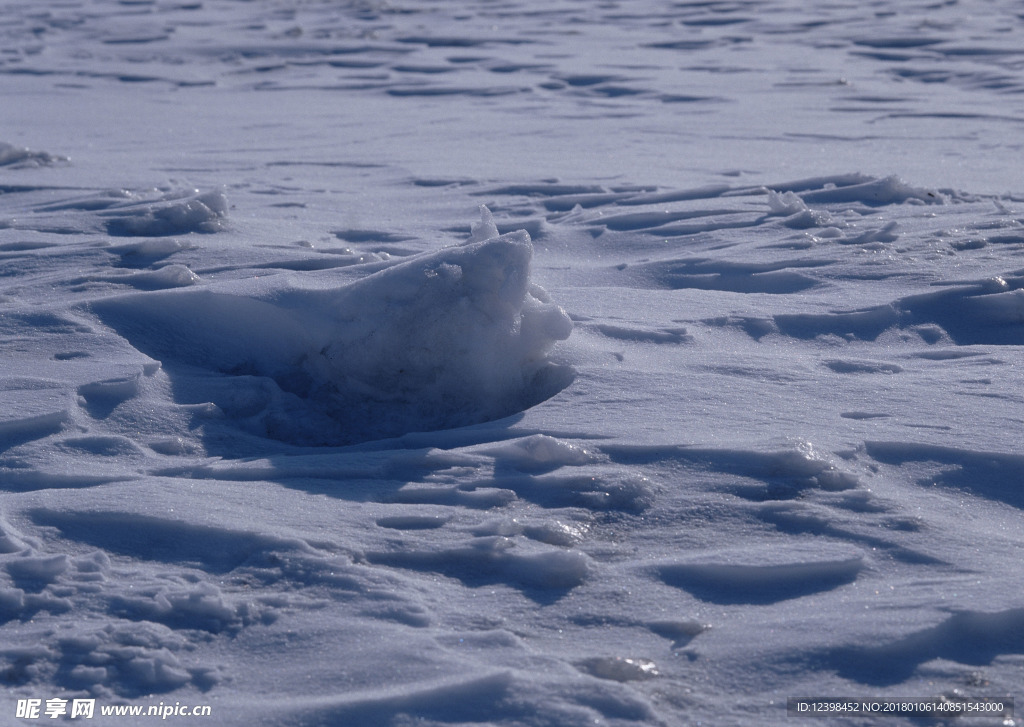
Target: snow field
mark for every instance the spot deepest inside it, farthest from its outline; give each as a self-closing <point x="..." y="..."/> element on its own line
<point x="715" y="400"/>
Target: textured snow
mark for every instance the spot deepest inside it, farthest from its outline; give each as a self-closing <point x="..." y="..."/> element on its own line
<point x="510" y="363"/>
<point x="434" y="340"/>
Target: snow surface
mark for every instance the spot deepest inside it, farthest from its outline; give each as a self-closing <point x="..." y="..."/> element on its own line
<point x="510" y="363"/>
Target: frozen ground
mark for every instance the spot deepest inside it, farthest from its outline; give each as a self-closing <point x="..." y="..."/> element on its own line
<point x="510" y="363"/>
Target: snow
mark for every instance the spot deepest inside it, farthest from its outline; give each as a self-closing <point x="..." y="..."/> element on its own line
<point x="510" y="364"/>
<point x="431" y="341"/>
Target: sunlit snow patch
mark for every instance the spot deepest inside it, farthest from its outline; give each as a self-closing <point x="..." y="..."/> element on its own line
<point x="443" y="339"/>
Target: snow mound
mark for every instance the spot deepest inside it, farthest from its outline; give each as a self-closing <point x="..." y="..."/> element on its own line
<point x="874" y="193"/>
<point x="19" y="156"/>
<point x="443" y="339"/>
<point x="539" y="452"/>
<point x="496" y="559"/>
<point x="168" y="213"/>
<point x="619" y="669"/>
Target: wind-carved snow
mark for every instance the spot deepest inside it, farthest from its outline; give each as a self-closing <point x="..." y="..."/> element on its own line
<point x="150" y="214"/>
<point x="167" y="213"/>
<point x="443" y="339"/>
<point x="789" y="461"/>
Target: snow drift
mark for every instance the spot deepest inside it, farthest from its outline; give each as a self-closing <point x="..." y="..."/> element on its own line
<point x="442" y="339"/>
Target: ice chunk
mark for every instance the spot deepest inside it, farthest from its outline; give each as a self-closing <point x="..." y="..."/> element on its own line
<point x="201" y="607"/>
<point x="173" y="213"/>
<point x="97" y="562"/>
<point x="443" y="339"/>
<point x="785" y="204"/>
<point x="485" y="229"/>
<point x="43" y="569"/>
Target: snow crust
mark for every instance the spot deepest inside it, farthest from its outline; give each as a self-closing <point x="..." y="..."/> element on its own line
<point x="510" y="364"/>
